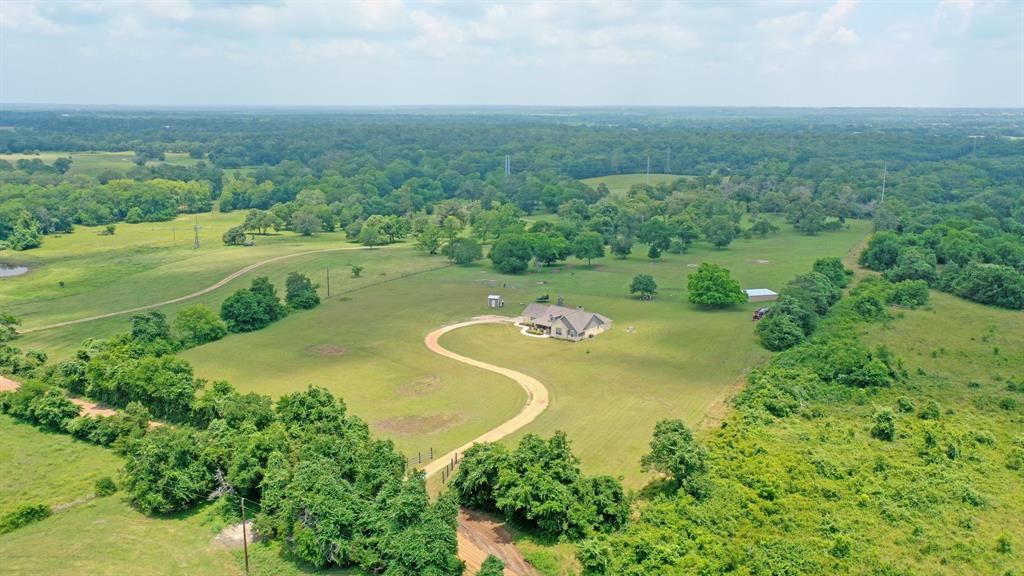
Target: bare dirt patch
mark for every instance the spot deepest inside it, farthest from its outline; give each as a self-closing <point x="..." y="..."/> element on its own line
<point x="8" y="385"/>
<point x="327" y="349"/>
<point x="231" y="536"/>
<point x="480" y="536"/>
<point x="421" y="386"/>
<point x="93" y="408"/>
<point x="416" y="424"/>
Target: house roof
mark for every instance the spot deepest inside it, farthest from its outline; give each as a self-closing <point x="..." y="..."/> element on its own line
<point x="577" y="319"/>
<point x="493" y="297"/>
<point x="759" y="292"/>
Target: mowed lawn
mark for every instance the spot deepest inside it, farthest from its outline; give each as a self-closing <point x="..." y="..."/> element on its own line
<point x="140" y="265"/>
<point x="676" y="361"/>
<point x="367" y="347"/>
<point x="619" y="184"/>
<point x="662" y="359"/>
<point x="93" y="163"/>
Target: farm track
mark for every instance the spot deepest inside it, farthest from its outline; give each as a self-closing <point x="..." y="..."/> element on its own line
<point x="219" y="284"/>
<point x="479" y="535"/>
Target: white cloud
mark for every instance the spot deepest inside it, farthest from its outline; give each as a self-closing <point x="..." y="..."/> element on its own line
<point x="25" y="17"/>
<point x="831" y="22"/>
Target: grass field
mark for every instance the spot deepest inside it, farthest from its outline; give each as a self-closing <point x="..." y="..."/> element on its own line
<point x="151" y="262"/>
<point x="619" y="184"/>
<point x="104" y="535"/>
<point x="607" y="393"/>
<point x="92" y="163"/>
<point x="61" y="469"/>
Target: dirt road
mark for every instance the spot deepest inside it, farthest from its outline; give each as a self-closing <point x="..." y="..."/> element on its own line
<point x="480" y="535"/>
<point x="536" y="393"/>
<point x="196" y="294"/>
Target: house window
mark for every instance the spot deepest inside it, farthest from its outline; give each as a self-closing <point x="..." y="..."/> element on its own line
<point x="572" y="333"/>
<point x="558" y="331"/>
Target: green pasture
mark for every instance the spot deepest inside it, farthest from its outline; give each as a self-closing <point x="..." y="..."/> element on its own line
<point x="152" y="262"/>
<point x="663" y="358"/>
<point x="48" y="468"/>
<point x="92" y="163"/>
<point x="619" y="184"/>
<point x="105" y="535"/>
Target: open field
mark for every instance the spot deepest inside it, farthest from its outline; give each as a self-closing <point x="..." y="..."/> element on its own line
<point x="619" y="184"/>
<point x="677" y="362"/>
<point x="61" y="468"/>
<point x="104" y="535"/>
<point x="92" y="163"/>
<point x="142" y="264"/>
<point x="608" y="392"/>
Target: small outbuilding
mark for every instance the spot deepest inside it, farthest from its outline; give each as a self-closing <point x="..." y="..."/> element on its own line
<point x="495" y="301"/>
<point x="761" y="295"/>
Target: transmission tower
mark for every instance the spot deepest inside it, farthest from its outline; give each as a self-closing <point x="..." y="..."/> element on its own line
<point x="196" y="228"/>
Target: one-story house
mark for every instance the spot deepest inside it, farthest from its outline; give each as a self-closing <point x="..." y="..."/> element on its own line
<point x="565" y="323"/>
<point x="760" y="295"/>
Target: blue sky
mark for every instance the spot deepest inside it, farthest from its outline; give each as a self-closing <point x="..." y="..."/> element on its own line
<point x="782" y="53"/>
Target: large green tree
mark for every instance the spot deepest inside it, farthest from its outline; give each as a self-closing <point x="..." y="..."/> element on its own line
<point x="712" y="286"/>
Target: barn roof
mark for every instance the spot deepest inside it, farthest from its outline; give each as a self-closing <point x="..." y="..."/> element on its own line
<point x="759" y="292"/>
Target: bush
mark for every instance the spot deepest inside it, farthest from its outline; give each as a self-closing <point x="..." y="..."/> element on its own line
<point x="540" y="485"/>
<point x="235" y="236"/>
<point x="912" y="293"/>
<point x="778" y="332"/>
<point x="931" y="411"/>
<point x="168" y="469"/>
<point x="833" y="269"/>
<point x="252" y="308"/>
<point x="105" y="487"/>
<point x="197" y="325"/>
<point x="884" y="427"/>
<point x="868" y="306"/>
<point x="300" y="292"/>
<point x="23" y="515"/>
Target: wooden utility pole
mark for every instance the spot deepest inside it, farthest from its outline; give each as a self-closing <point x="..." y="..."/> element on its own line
<point x="245" y="538"/>
<point x="328" y="282"/>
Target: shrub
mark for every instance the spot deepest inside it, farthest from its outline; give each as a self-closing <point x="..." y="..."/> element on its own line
<point x="235" y="236"/>
<point x="300" y="292"/>
<point x="905" y="404"/>
<point x="931" y="411"/>
<point x="197" y="325"/>
<point x="168" y="469"/>
<point x="778" y="331"/>
<point x="105" y="487"/>
<point x="23" y="515"/>
<point x="868" y="306"/>
<point x="833" y="269"/>
<point x="884" y="427"/>
<point x="910" y="293"/>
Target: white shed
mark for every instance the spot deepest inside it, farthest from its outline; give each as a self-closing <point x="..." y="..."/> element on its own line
<point x="495" y="301"/>
<point x="760" y="295"/>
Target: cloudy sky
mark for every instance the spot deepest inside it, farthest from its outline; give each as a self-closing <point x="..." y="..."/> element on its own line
<point x="781" y="53"/>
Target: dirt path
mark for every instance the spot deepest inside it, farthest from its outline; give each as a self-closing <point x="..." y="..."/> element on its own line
<point x="480" y="535"/>
<point x="89" y="408"/>
<point x="196" y="294"/>
<point x="536" y="393"/>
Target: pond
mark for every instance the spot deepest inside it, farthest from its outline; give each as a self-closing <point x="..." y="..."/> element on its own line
<point x="8" y="270"/>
